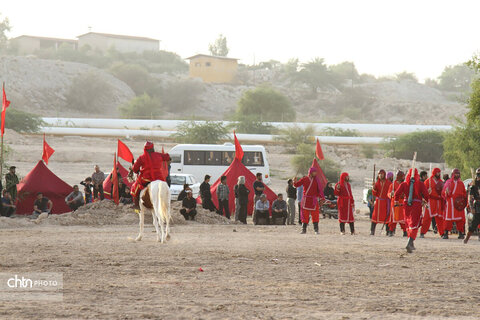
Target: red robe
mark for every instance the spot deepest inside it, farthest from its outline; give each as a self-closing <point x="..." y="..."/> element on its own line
<point x="382" y="202"/>
<point x="396" y="213"/>
<point x="456" y="188"/>
<point x="345" y="202"/>
<point x="311" y="194"/>
<point x="413" y="213"/>
<point x="149" y="167"/>
<point x="435" y="200"/>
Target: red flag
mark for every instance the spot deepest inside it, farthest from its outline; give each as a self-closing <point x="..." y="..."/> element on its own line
<point x="47" y="150"/>
<point x="320" y="173"/>
<point x="318" y="151"/>
<point x="124" y="152"/>
<point x="5" y="104"/>
<point x="163" y="150"/>
<point x="115" y="181"/>
<point x="238" y="148"/>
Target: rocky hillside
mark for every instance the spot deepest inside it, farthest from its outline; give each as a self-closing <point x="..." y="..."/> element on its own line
<point x="40" y="86"/>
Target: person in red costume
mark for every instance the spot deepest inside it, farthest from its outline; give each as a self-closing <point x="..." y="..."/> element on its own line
<point x="312" y="193"/>
<point x="453" y="190"/>
<point x="435" y="203"/>
<point x="396" y="214"/>
<point x="413" y="205"/>
<point x="345" y="203"/>
<point x="381" y="209"/>
<point x="150" y="166"/>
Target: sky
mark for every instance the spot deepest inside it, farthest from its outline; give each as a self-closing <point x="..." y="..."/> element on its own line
<point x="382" y="37"/>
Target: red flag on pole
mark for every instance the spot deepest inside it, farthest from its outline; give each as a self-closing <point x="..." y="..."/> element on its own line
<point x="47" y="150"/>
<point x="238" y="148"/>
<point x="163" y="150"/>
<point x="320" y="173"/>
<point x="5" y="104"/>
<point x="124" y="152"/>
<point x="115" y="180"/>
<point x="318" y="151"/>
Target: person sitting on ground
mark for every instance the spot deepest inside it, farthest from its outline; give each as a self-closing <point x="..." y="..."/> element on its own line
<point x="88" y="189"/>
<point x="41" y="205"/>
<point x="126" y="198"/>
<point x="8" y="207"/>
<point x="75" y="199"/>
<point x="262" y="207"/>
<point x="183" y="194"/>
<point x="279" y="208"/>
<point x="189" y="206"/>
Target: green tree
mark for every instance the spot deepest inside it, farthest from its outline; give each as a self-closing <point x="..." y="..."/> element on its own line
<point x="251" y="124"/>
<point x="142" y="107"/>
<point x="456" y="78"/>
<point x="406" y="76"/>
<point x="316" y="75"/>
<point x="4" y="28"/>
<point x="86" y="90"/>
<point x="294" y="136"/>
<point x="303" y="158"/>
<point x="219" y="47"/>
<point x="209" y="132"/>
<point x="266" y="104"/>
<point x="181" y="96"/>
<point x="427" y="144"/>
<point x="136" y="76"/>
<point x="345" y="71"/>
<point x="22" y="121"/>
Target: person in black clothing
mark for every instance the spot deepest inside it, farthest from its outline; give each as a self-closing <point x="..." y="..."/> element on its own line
<point x="8" y="207"/>
<point x="329" y="192"/>
<point x="474" y="201"/>
<point x="183" y="194"/>
<point x="42" y="204"/>
<point x="241" y="192"/>
<point x="291" y="198"/>
<point x="88" y="189"/>
<point x="189" y="206"/>
<point x="423" y="176"/>
<point x="206" y="195"/>
<point x="258" y="188"/>
<point x="126" y="198"/>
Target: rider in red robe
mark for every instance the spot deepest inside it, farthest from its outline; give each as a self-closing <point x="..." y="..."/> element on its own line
<point x="435" y="203"/>
<point x="150" y="166"/>
<point x="452" y="190"/>
<point x="381" y="209"/>
<point x="312" y="194"/>
<point x="413" y="209"/>
<point x="345" y="203"/>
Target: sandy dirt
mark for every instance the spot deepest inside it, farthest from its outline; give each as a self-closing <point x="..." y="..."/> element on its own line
<point x="249" y="272"/>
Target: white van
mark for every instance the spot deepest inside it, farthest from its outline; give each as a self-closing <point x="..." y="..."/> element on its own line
<point x="202" y="159"/>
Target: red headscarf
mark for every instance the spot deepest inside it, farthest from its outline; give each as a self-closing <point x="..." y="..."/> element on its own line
<point x="344" y="183"/>
<point x="455" y="171"/>
<point x="435" y="171"/>
<point x="409" y="175"/>
<point x="400" y="175"/>
<point x="319" y="184"/>
<point x="384" y="174"/>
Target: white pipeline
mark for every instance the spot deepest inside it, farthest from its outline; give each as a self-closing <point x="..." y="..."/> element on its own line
<point x="171" y="125"/>
<point x="256" y="138"/>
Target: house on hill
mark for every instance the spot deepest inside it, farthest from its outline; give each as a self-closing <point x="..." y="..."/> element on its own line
<point x="30" y="44"/>
<point x="213" y="69"/>
<point x="121" y="43"/>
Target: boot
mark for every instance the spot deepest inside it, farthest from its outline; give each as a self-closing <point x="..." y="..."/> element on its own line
<point x="445" y="235"/>
<point x="469" y="234"/>
<point x="304" y="228"/>
<point x="422" y="235"/>
<point x="405" y="234"/>
<point x="315" y="227"/>
<point x="409" y="246"/>
<point x="372" y="228"/>
<point x="461" y="235"/>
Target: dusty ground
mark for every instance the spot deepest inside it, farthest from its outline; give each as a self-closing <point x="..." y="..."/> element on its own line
<point x="255" y="272"/>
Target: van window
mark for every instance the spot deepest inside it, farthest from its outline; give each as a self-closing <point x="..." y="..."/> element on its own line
<point x="213" y="158"/>
<point x="176" y="158"/>
<point x="194" y="157"/>
<point x="253" y="159"/>
<point x="227" y="157"/>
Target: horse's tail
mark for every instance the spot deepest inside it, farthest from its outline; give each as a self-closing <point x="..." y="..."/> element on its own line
<point x="164" y="200"/>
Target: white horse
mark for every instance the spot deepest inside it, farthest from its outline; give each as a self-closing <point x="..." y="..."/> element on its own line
<point x="155" y="199"/>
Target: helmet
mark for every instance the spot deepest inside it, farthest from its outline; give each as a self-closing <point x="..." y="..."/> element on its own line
<point x="148" y="145"/>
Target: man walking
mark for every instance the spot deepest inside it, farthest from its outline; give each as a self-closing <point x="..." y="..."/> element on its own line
<point x="345" y="203"/>
<point x="415" y="194"/>
<point x="396" y="212"/>
<point x="474" y="201"/>
<point x="223" y="194"/>
<point x="455" y="196"/>
<point x="381" y="210"/>
<point x="434" y="210"/>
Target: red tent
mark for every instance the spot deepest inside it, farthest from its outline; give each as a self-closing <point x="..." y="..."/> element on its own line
<point x="41" y="179"/>
<point x="235" y="170"/>
<point x="107" y="184"/>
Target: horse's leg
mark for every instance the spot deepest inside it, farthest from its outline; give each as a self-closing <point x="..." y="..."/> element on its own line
<point x="141" y="215"/>
<point x="155" y="223"/>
